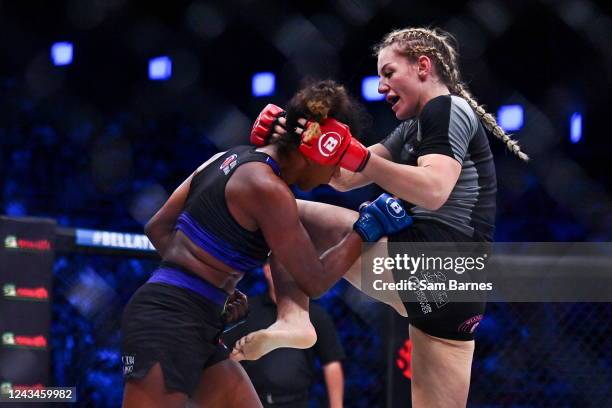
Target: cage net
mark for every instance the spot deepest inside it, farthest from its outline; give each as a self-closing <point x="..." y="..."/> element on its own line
<point x="527" y="354"/>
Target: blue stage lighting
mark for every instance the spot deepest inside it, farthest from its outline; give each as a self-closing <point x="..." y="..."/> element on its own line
<point x="510" y="117"/>
<point x="576" y="127"/>
<point x="369" y="89"/>
<point x="160" y="68"/>
<point x="61" y="53"/>
<point x="14" y="209"/>
<point x="263" y="84"/>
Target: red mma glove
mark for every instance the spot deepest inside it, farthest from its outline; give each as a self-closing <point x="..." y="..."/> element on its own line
<point x="264" y="124"/>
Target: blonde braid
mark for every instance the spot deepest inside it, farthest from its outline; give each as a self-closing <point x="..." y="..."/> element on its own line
<point x="458" y="88"/>
<point x="422" y="41"/>
<point x="491" y="124"/>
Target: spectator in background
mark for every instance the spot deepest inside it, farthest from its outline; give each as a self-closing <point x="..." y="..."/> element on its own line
<point x="282" y="377"/>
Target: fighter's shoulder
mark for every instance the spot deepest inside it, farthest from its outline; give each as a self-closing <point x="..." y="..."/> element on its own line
<point x="447" y="106"/>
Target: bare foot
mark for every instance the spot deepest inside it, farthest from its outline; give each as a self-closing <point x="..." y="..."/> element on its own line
<point x="281" y="334"/>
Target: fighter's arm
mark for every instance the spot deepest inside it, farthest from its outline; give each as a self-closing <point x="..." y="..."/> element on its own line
<point x="428" y="185"/>
<point x="330" y="353"/>
<point x="272" y="205"/>
<point x="349" y="180"/>
<point x="446" y="127"/>
<point x="334" y="380"/>
<point x="160" y="227"/>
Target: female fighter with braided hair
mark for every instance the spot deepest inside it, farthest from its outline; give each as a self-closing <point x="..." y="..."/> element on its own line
<point x="438" y="161"/>
<point x="221" y="223"/>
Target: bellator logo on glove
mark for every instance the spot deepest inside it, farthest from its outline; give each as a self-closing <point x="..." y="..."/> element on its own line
<point x="325" y="143"/>
<point x="328" y="143"/>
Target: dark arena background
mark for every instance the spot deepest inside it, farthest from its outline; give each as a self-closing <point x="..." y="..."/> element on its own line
<point x="106" y="106"/>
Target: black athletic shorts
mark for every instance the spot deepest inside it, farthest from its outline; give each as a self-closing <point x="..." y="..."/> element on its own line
<point x="454" y="321"/>
<point x="176" y="327"/>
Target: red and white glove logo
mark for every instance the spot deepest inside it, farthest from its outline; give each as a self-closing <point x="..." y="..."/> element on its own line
<point x="328" y="143"/>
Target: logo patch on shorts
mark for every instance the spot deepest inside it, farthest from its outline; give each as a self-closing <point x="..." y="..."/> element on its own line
<point x="328" y="143"/>
<point x="229" y="163"/>
<point x="470" y="325"/>
<point x="128" y="363"/>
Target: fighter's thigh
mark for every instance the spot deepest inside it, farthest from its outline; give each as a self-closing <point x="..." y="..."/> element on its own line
<point x="325" y="223"/>
<point x="225" y="384"/>
<point x="150" y="392"/>
<point x="441" y="370"/>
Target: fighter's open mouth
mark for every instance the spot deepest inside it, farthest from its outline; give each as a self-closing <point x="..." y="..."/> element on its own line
<point x="393" y="99"/>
